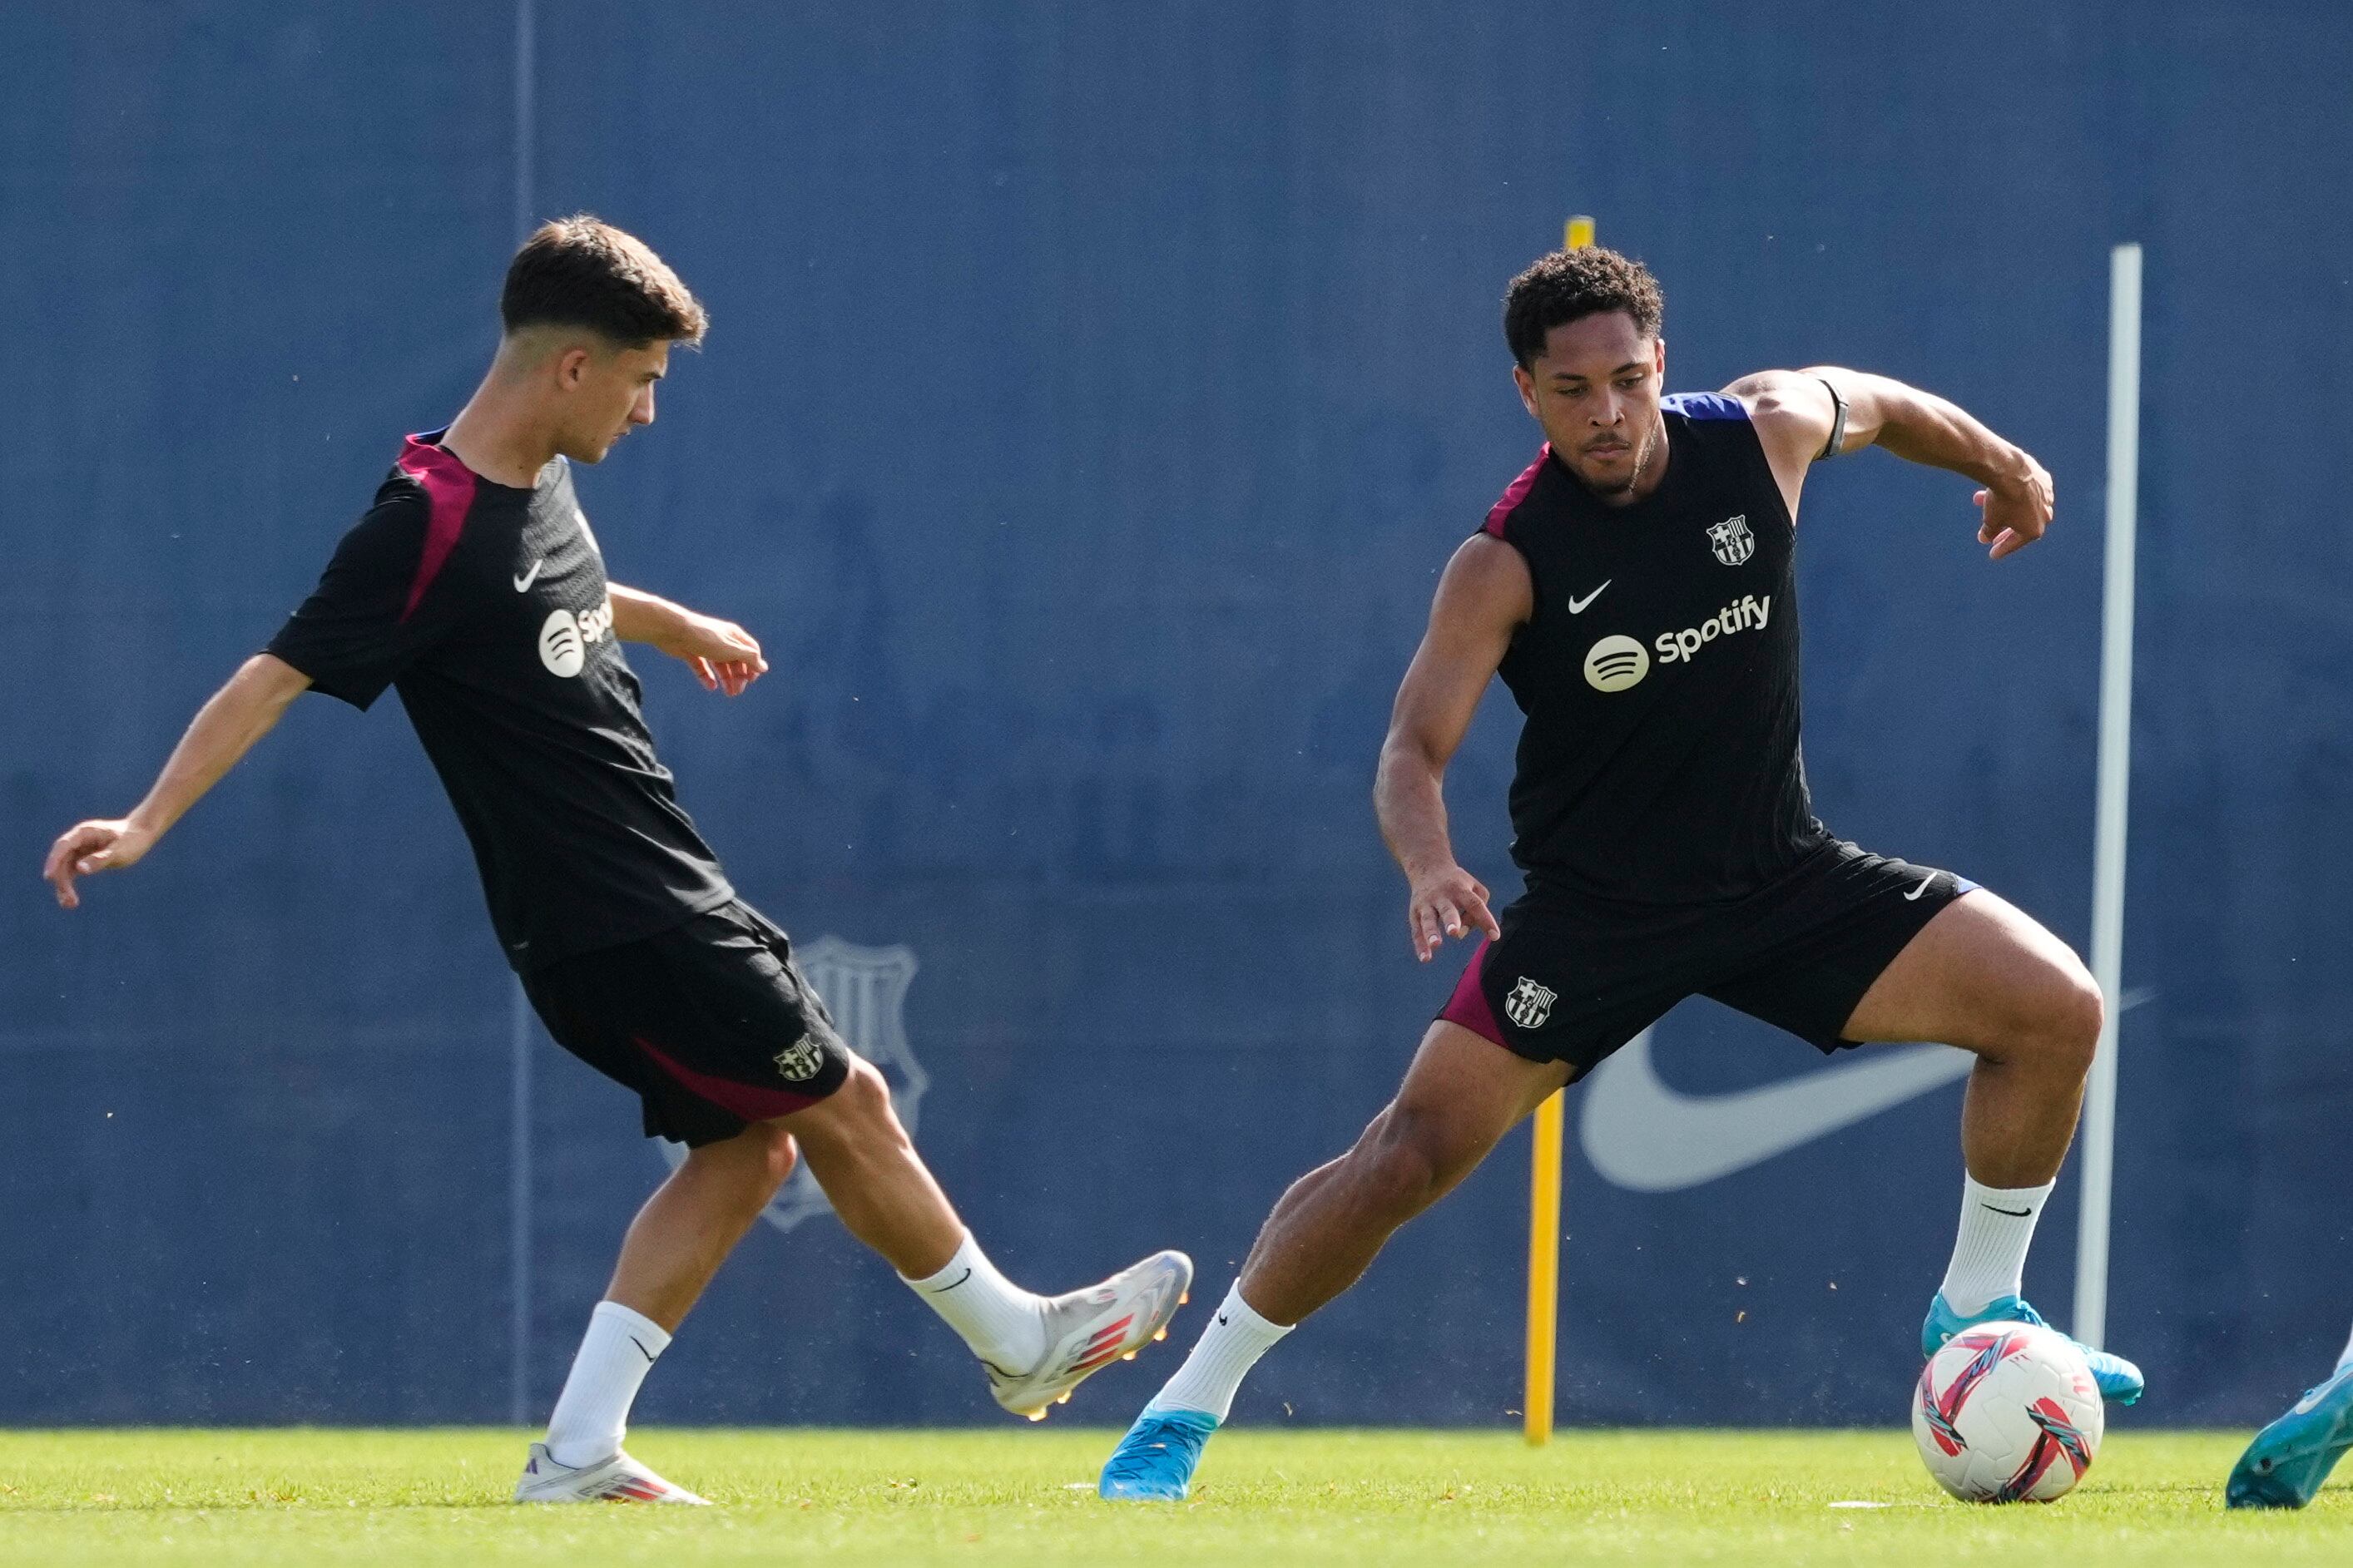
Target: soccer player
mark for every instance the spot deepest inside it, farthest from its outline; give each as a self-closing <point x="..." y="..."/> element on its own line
<point x="2285" y="1464"/>
<point x="1634" y="589"/>
<point x="474" y="587"/>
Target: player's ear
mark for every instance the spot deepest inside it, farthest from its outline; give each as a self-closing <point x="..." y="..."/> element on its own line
<point x="1658" y="358"/>
<point x="572" y="366"/>
<point x="1527" y="385"/>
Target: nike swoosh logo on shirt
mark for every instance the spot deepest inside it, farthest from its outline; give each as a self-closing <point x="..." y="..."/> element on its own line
<point x="1577" y="606"/>
<point x="522" y="584"/>
<point x="1913" y="896"/>
<point x="1648" y="1137"/>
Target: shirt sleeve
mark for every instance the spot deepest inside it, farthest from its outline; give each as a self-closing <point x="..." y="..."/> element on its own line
<point x="383" y="604"/>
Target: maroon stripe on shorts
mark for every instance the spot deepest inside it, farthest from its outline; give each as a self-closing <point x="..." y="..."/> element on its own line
<point x="751" y="1101"/>
<point x="1468" y="1005"/>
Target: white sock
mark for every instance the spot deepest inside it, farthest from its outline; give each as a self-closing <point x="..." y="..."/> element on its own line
<point x="1989" y="1254"/>
<point x="593" y="1412"/>
<point x="1236" y="1336"/>
<point x="2346" y="1359"/>
<point x="1004" y="1324"/>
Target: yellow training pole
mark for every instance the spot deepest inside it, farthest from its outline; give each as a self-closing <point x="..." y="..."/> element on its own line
<point x="1544" y="1182"/>
<point x="1544" y="1266"/>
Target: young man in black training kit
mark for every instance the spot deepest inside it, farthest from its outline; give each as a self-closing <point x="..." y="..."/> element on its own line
<point x="1635" y="590"/>
<point x="474" y="587"/>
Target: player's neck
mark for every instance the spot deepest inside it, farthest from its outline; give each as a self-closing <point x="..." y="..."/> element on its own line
<point x="497" y="435"/>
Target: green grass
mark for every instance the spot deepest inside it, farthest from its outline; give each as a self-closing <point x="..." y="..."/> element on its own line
<point x="290" y="1499"/>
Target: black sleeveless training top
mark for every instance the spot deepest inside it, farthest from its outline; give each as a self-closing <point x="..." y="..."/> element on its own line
<point x="1659" y="673"/>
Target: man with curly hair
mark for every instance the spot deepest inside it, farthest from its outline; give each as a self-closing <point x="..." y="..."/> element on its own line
<point x="1635" y="589"/>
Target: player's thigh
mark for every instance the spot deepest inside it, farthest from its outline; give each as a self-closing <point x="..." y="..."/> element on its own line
<point x="1461" y="1094"/>
<point x="1984" y="975"/>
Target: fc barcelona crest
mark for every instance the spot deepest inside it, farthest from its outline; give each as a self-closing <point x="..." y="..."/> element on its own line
<point x="1529" y="1004"/>
<point x="1733" y="541"/>
<point x="865" y="989"/>
<point x="802" y="1061"/>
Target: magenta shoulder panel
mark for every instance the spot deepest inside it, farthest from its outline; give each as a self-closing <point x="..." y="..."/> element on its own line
<point x="449" y="491"/>
<point x="1501" y="513"/>
<point x="1468" y="1006"/>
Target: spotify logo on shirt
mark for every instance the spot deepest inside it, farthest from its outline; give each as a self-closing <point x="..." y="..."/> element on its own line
<point x="1615" y="663"/>
<point x="564" y="640"/>
<point x="560" y="647"/>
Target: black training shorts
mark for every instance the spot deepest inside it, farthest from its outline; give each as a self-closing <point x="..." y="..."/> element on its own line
<point x="711" y="1023"/>
<point x="1575" y="977"/>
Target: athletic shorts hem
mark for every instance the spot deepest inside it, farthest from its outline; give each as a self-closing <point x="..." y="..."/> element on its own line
<point x="711" y="1022"/>
<point x="1573" y="981"/>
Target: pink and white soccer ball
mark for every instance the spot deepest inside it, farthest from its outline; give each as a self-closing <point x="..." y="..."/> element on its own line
<point x="2007" y="1412"/>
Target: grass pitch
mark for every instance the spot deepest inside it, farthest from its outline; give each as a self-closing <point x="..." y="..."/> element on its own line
<point x="1268" y="1499"/>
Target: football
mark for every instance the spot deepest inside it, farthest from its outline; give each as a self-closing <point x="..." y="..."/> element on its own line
<point x="2007" y="1412"/>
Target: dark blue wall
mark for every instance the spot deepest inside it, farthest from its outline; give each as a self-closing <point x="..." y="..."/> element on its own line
<point x="1093" y="394"/>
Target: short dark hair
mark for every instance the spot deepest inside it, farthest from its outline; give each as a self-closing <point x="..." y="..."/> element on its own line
<point x="581" y="271"/>
<point x="1570" y="285"/>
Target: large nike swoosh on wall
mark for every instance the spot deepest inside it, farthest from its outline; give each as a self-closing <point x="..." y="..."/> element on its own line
<point x="1642" y="1135"/>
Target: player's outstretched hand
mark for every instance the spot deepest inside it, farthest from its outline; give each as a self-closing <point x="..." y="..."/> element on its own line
<point x="88" y="848"/>
<point x="2016" y="513"/>
<point x="723" y="655"/>
<point x="1448" y="902"/>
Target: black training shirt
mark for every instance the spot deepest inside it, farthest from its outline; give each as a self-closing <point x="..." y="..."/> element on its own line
<point x="486" y="606"/>
<point x="1659" y="764"/>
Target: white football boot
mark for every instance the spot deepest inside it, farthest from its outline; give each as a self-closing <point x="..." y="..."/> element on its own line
<point x="1088" y="1329"/>
<point x="619" y="1479"/>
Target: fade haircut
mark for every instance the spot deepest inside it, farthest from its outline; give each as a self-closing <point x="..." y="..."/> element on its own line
<point x="1570" y="285"/>
<point x="581" y="271"/>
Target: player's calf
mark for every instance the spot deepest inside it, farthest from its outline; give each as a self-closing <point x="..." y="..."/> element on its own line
<point x="1462" y="1092"/>
<point x="1036" y="1348"/>
<point x="1405" y="1161"/>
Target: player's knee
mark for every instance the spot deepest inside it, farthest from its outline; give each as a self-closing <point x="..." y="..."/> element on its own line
<point x="2068" y="1016"/>
<point x="864" y="1100"/>
<point x="779" y="1154"/>
<point x="2077" y="1018"/>
<point x="749" y="1166"/>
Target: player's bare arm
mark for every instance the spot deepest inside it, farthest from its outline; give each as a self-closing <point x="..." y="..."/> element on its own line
<point x="1485" y="597"/>
<point x="723" y="655"/>
<point x="223" y="730"/>
<point x="1797" y="418"/>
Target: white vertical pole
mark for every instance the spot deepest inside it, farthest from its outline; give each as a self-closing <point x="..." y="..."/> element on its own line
<point x="519" y="1184"/>
<point x="526" y="115"/>
<point x="519" y="1032"/>
<point x="2091" y="1323"/>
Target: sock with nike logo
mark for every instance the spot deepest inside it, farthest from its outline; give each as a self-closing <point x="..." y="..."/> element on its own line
<point x="1231" y="1345"/>
<point x="592" y="1414"/>
<point x="1989" y="1254"/>
<point x="1004" y="1324"/>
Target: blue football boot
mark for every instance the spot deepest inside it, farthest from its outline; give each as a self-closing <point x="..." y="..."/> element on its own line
<point x="2119" y="1379"/>
<point x="2289" y="1458"/>
<point x="1154" y="1462"/>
